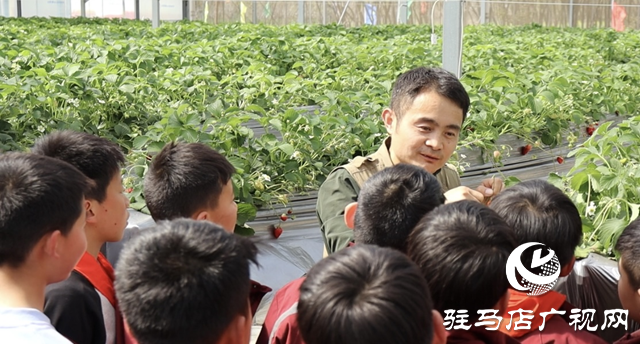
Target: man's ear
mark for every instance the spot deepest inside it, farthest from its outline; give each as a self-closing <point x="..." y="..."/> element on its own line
<point x="389" y="120"/>
<point x="439" y="333"/>
<point x="350" y="214"/>
<point x="566" y="270"/>
<point x="90" y="207"/>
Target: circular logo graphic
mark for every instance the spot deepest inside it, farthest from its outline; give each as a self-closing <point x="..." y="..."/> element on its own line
<point x="537" y="266"/>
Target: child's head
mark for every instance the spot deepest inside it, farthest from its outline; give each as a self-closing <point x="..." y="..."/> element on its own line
<point x="367" y="294"/>
<point x="186" y="281"/>
<point x="539" y="212"/>
<point x="391" y="203"/>
<point x="191" y="180"/>
<point x="462" y="249"/>
<point x="41" y="214"/>
<point x="629" y="265"/>
<point x="100" y="160"/>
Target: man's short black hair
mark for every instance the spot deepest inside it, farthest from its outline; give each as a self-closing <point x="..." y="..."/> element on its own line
<point x="184" y="281"/>
<point x="628" y="246"/>
<point x="365" y="294"/>
<point x="540" y="212"/>
<point x="462" y="249"/>
<point x="185" y="178"/>
<point x="392" y="202"/>
<point x="96" y="157"/>
<point x="412" y="83"/>
<point x="38" y="195"/>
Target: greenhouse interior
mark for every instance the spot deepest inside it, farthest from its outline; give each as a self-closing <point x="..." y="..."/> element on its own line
<point x="299" y="101"/>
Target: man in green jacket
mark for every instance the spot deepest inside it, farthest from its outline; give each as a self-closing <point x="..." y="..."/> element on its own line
<point x="428" y="106"/>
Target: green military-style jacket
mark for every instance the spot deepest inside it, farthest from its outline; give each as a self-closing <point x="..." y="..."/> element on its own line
<point x="343" y="186"/>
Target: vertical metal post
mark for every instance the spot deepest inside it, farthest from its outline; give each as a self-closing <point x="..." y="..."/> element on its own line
<point x="19" y="8"/>
<point x="452" y="36"/>
<point x="185" y="9"/>
<point x="83" y="8"/>
<point x="155" y="13"/>
<point x="300" y="11"/>
<point x="137" y="9"/>
<point x="403" y="11"/>
<point x="324" y="12"/>
<point x="254" y="11"/>
<point x="570" y="13"/>
<point x="483" y="11"/>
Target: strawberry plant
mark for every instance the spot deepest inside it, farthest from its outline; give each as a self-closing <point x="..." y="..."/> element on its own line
<point x="288" y="104"/>
<point x="604" y="183"/>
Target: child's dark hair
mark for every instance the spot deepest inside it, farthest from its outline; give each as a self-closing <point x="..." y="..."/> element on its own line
<point x="365" y="294"/>
<point x="392" y="202"/>
<point x="628" y="246"/>
<point x="462" y="250"/>
<point x="184" y="282"/>
<point x="411" y="83"/>
<point x="98" y="158"/>
<point x="38" y="195"/>
<point x="184" y="178"/>
<point x="539" y="212"/>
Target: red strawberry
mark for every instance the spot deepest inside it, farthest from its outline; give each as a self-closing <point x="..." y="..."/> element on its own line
<point x="560" y="160"/>
<point x="129" y="190"/>
<point x="289" y="211"/>
<point x="283" y="217"/>
<point x="590" y="130"/>
<point x="277" y="232"/>
<point x="525" y="149"/>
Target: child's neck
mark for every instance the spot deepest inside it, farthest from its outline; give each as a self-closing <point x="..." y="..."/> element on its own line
<point x="21" y="288"/>
<point x="94" y="243"/>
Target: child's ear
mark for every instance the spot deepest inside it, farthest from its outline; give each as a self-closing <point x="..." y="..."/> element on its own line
<point x="350" y="214"/>
<point x="52" y="244"/>
<point x="201" y="216"/>
<point x="566" y="270"/>
<point x="90" y="207"/>
<point x="439" y="332"/>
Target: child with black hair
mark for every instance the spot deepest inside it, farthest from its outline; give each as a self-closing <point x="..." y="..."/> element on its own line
<point x="191" y="180"/>
<point x="367" y="294"/>
<point x="628" y="246"/>
<point x="83" y="307"/>
<point x="539" y="212"/>
<point x="42" y="237"/>
<point x="186" y="281"/>
<point x="462" y="250"/>
<point x="391" y="202"/>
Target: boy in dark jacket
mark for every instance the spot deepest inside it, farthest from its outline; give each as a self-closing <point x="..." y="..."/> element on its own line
<point x="84" y="307"/>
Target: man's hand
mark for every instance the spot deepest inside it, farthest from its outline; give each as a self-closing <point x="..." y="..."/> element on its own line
<point x="483" y="193"/>
<point x="462" y="193"/>
<point x="489" y="188"/>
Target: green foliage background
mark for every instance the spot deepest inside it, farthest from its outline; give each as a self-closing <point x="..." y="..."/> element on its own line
<point x="194" y="82"/>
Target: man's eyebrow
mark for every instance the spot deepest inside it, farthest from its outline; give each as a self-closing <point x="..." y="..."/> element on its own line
<point x="435" y="124"/>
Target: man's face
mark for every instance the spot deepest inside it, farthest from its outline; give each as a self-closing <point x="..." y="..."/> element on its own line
<point x="427" y="133"/>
